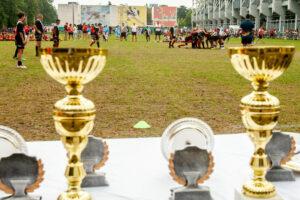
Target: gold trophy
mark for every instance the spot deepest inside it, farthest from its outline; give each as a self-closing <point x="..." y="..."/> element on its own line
<point x="260" y="110"/>
<point x="74" y="115"/>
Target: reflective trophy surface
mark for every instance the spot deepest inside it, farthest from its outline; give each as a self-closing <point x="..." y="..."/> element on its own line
<point x="260" y="110"/>
<point x="186" y="132"/>
<point x="74" y="115"/>
<point x="187" y="145"/>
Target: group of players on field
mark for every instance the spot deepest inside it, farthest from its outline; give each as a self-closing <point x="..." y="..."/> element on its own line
<point x="198" y="38"/>
<point x="201" y="38"/>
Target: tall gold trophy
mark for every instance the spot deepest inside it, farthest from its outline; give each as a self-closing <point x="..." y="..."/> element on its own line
<point x="74" y="115"/>
<point x="260" y="110"/>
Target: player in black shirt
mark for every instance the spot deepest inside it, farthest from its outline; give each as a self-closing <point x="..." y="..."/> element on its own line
<point x="79" y="31"/>
<point x="56" y="34"/>
<point x="20" y="39"/>
<point x="95" y="34"/>
<point x="172" y="35"/>
<point x="39" y="30"/>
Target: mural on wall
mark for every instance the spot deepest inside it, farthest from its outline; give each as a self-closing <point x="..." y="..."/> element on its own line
<point x="94" y="14"/>
<point x="132" y="14"/>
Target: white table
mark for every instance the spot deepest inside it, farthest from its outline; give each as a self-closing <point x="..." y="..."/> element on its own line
<point x="137" y="170"/>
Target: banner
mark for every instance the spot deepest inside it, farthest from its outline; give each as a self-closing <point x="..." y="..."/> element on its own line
<point x="132" y="14"/>
<point x="166" y="16"/>
<point x="94" y="14"/>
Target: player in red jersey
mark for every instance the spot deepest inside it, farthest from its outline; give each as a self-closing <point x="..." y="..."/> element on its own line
<point x="188" y="39"/>
<point x="95" y="34"/>
<point x="85" y="31"/>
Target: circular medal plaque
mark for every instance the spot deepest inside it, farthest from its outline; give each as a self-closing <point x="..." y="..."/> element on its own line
<point x="11" y="142"/>
<point x="187" y="132"/>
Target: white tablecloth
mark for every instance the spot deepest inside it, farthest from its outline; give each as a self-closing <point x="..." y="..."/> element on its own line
<point x="137" y="170"/>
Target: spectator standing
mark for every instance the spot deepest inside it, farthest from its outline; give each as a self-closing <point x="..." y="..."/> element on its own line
<point x="247" y="31"/>
<point x="147" y="31"/>
<point x="71" y="32"/>
<point x="66" y="31"/>
<point x="85" y="31"/>
<point x="56" y="34"/>
<point x="134" y="31"/>
<point x="124" y="31"/>
<point x="272" y="33"/>
<point x="260" y="35"/>
<point x="20" y="39"/>
<point x="79" y="31"/>
<point x="105" y="33"/>
<point x="75" y="31"/>
<point x="157" y="32"/>
<point x="39" y="31"/>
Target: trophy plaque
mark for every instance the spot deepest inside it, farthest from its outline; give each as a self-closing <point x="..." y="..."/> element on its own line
<point x="20" y="175"/>
<point x="190" y="167"/>
<point x="260" y="110"/>
<point x="94" y="156"/>
<point x="74" y="115"/>
<point x="280" y="150"/>
<point x="186" y="132"/>
<point x="11" y="142"/>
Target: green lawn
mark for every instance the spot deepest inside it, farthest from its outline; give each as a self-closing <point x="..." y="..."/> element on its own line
<point x="142" y="81"/>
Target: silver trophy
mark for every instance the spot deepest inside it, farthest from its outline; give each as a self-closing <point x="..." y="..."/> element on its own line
<point x="187" y="144"/>
<point x="94" y="156"/>
<point x="280" y="150"/>
<point x="187" y="132"/>
<point x="19" y="175"/>
<point x="190" y="167"/>
<point x="11" y="142"/>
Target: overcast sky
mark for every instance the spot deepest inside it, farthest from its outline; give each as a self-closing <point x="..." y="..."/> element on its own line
<point x="176" y="3"/>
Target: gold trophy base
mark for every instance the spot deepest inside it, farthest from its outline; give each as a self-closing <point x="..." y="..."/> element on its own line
<point x="72" y="195"/>
<point x="240" y="196"/>
<point x="259" y="189"/>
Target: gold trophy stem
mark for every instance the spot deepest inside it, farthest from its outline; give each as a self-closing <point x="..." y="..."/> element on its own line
<point x="74" y="117"/>
<point x="75" y="171"/>
<point x="260" y="112"/>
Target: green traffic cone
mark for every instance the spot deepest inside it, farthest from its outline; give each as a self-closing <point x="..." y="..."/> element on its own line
<point x="142" y="124"/>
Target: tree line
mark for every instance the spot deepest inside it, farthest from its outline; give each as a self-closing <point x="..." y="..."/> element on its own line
<point x="184" y="16"/>
<point x="9" y="10"/>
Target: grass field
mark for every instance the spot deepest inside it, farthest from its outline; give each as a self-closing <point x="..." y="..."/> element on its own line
<point x="142" y="81"/>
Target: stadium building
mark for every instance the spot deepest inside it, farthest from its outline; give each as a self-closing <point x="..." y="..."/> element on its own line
<point x="271" y="14"/>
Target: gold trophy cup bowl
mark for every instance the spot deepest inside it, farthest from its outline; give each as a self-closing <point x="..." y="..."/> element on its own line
<point x="260" y="110"/>
<point x="74" y="115"/>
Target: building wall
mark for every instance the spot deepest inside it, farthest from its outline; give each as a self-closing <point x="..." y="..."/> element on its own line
<point x="70" y="13"/>
<point x="269" y="14"/>
<point x="113" y="15"/>
<point x="166" y="16"/>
